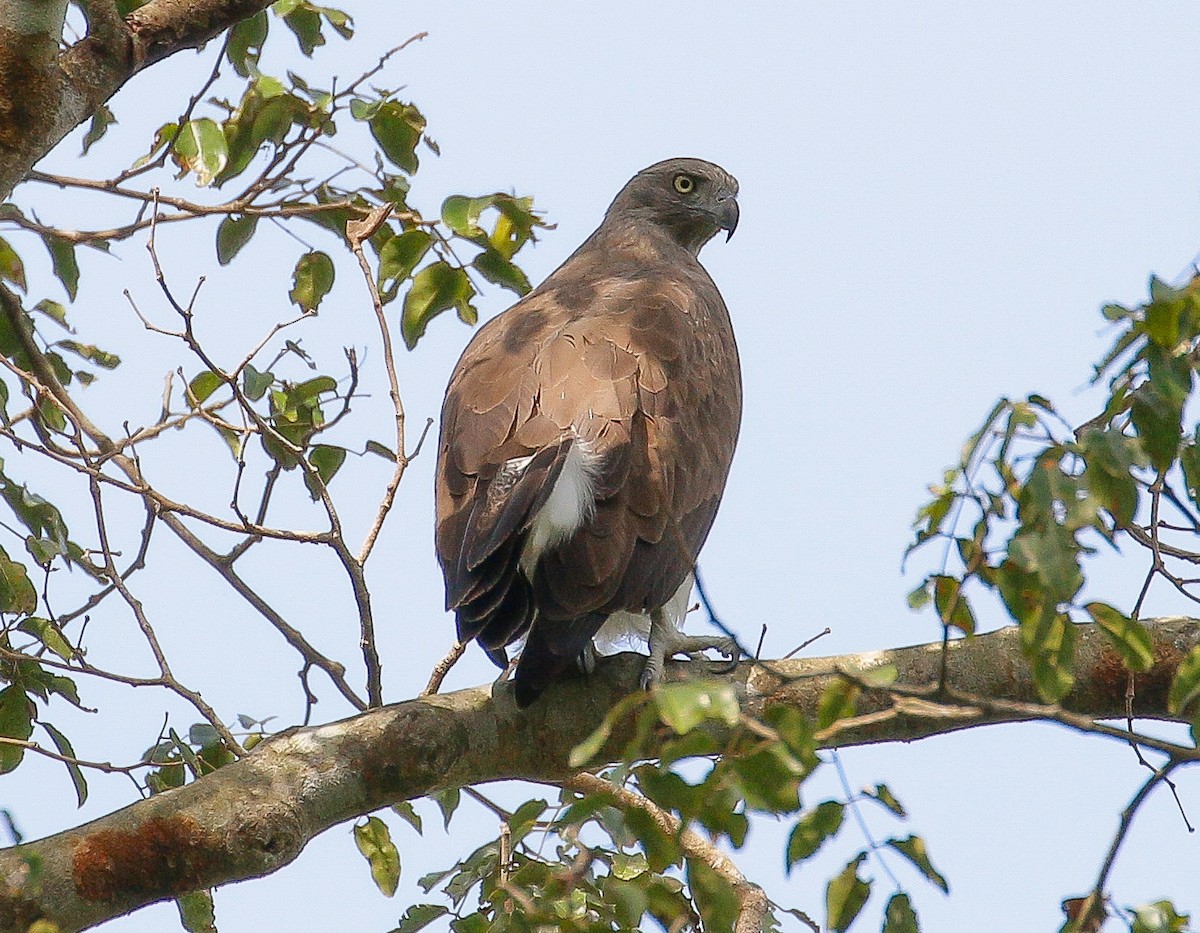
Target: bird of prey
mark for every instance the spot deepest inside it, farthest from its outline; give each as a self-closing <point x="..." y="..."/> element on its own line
<point x="586" y="436"/>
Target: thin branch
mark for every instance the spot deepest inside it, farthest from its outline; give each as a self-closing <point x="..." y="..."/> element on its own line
<point x="143" y="622"/>
<point x="1095" y="900"/>
<point x="443" y="668"/>
<point x="106" y="766"/>
<point x="356" y="232"/>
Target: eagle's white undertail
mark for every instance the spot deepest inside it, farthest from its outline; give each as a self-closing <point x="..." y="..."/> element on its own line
<point x="571" y="503"/>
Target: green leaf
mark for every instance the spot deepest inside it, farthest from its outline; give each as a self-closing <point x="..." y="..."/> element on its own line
<point x="196" y="912"/>
<point x="62" y="258"/>
<point x="1161" y="322"/>
<point x="400" y="256"/>
<point x="16" y="722"/>
<point x="1159" y="917"/>
<point x="202" y="386"/>
<point x="203" y="734"/>
<point x="374" y="841"/>
<point x="436" y="288"/>
<point x="813" y="830"/>
<point x="1186" y="686"/>
<point x="327" y="460"/>
<point x="398" y="127"/>
<point x="499" y="271"/>
<point x="53" y="310"/>
<point x="17" y="593"/>
<point x="878" y="676"/>
<point x="163" y="137"/>
<point x="49" y="635"/>
<point x="381" y="450"/>
<point x="447" y="801"/>
<point x="364" y="109"/>
<point x="311" y="280"/>
<point x="1189" y="459"/>
<point x="920" y="596"/>
<point x="232" y="234"/>
<point x="254" y="383"/>
<point x="12" y="269"/>
<point x="91" y="353"/>
<point x="951" y="604"/>
<point x="899" y="916"/>
<point x="308" y="390"/>
<point x="1111" y="457"/>
<point x="913" y="849"/>
<point x="461" y="214"/>
<point x="407" y="812"/>
<point x="1049" y="644"/>
<point x="523" y="819"/>
<point x="661" y="848"/>
<point x="102" y="119"/>
<point x="1053" y="555"/>
<point x="883" y="795"/>
<point x="305" y="24"/>
<point x="1128" y="636"/>
<point x="63" y="744"/>
<point x="200" y="147"/>
<point x="245" y="44"/>
<point x="713" y="896"/>
<point x="590" y="747"/>
<point x="845" y="895"/>
<point x="683" y="706"/>
<point x="837" y="702"/>
<point x="419" y="916"/>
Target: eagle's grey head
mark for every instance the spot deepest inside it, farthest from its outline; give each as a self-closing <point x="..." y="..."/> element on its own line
<point x="689" y="199"/>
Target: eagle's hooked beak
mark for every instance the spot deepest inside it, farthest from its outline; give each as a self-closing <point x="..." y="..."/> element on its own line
<point x="727" y="214"/>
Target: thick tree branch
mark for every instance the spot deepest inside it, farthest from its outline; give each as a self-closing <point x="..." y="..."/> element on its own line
<point x="255" y="815"/>
<point x="45" y="93"/>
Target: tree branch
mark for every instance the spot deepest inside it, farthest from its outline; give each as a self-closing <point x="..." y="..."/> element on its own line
<point x="44" y="93"/>
<point x="254" y="816"/>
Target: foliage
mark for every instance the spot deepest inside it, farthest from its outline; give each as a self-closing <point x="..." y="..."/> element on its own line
<point x="254" y="146"/>
<point x="1029" y="501"/>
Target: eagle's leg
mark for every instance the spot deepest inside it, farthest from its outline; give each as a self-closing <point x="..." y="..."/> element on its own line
<point x="666" y="641"/>
<point x="506" y="674"/>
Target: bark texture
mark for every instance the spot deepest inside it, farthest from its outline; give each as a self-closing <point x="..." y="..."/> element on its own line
<point x="46" y="92"/>
<point x="256" y="815"/>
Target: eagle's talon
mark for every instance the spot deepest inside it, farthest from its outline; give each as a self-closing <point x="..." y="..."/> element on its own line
<point x="651" y="674"/>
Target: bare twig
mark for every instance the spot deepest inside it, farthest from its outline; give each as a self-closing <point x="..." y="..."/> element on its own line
<point x="356" y="232"/>
<point x="808" y="641"/>
<point x="443" y="668"/>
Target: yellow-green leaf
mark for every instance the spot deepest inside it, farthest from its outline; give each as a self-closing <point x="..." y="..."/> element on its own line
<point x="913" y="849"/>
<point x="1127" y="635"/>
<point x="845" y="895"/>
<point x="312" y="280"/>
<point x="436" y="288"/>
<point x="374" y="841"/>
<point x="200" y="147"/>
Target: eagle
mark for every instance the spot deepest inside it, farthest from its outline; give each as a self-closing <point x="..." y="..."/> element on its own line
<point x="586" y="436"/>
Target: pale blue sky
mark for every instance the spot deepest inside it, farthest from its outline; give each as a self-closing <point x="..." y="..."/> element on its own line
<point x="936" y="199"/>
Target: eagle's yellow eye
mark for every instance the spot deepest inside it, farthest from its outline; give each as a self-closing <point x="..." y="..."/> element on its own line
<point x="684" y="184"/>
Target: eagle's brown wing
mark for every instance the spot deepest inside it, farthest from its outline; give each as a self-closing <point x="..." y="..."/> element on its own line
<point x="641" y="369"/>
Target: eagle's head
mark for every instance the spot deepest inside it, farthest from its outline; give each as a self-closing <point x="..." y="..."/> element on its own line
<point x="689" y="199"/>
